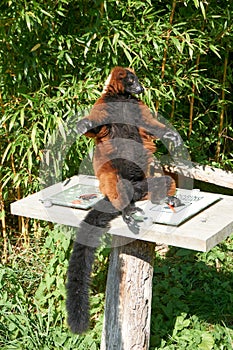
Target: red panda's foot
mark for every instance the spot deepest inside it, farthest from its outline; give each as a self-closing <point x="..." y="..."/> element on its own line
<point x="173" y="201"/>
<point x="128" y="217"/>
<point x="161" y="187"/>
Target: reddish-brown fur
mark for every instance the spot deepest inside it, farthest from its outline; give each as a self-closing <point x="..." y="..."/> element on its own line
<point x="105" y="172"/>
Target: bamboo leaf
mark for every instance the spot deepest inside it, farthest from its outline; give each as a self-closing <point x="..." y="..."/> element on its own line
<point x="196" y="3"/>
<point x="46" y="13"/>
<point x="37" y="46"/>
<point x="13" y="120"/>
<point x="88" y="44"/>
<point x="30" y="161"/>
<point x="7" y="153"/>
<point x="28" y="22"/>
<point x="34" y="137"/>
<point x="215" y="50"/>
<point x="69" y="59"/>
<point x="126" y="50"/>
<point x="176" y="43"/>
<point x="100" y="44"/>
<point x="22" y="116"/>
<point x="128" y="55"/>
<point x="61" y="128"/>
<point x="7" y="179"/>
<point x="191" y="52"/>
<point x="115" y="38"/>
<point x="203" y="9"/>
<point x="61" y="13"/>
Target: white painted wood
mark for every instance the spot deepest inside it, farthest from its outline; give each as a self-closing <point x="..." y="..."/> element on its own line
<point x="201" y="233"/>
<point x="33" y="207"/>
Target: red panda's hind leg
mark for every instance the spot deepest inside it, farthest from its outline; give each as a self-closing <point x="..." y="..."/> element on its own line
<point x="118" y="191"/>
<point x="160" y="187"/>
<point x="121" y="194"/>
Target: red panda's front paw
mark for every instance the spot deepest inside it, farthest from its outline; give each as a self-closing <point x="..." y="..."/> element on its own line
<point x="128" y="217"/>
<point x="83" y="126"/>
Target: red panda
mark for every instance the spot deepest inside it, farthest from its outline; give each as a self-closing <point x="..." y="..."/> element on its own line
<point x="124" y="131"/>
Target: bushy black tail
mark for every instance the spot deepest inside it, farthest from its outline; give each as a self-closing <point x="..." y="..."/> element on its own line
<point x="77" y="303"/>
<point x="81" y="261"/>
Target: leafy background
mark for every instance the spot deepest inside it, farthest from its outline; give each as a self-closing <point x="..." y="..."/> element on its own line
<point x="54" y="59"/>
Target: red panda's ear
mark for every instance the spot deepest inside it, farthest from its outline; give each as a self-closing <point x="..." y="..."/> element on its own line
<point x="106" y="84"/>
<point x="114" y="81"/>
<point x="118" y="73"/>
<point x="131" y="70"/>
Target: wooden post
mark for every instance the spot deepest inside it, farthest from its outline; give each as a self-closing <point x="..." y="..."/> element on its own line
<point x="128" y="296"/>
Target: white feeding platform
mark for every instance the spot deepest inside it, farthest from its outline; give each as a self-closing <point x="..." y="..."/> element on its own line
<point x="201" y="222"/>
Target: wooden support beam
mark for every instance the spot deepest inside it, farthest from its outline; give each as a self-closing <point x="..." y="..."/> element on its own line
<point x="128" y="296"/>
<point x="199" y="172"/>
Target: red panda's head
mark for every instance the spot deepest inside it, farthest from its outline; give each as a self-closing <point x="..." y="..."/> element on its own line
<point x="122" y="81"/>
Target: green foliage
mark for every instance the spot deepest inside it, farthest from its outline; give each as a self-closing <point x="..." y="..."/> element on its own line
<point x="32" y="294"/>
<point x="191" y="307"/>
<point x="192" y="299"/>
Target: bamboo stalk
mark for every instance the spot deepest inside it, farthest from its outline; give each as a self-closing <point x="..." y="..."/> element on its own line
<point x="22" y="228"/>
<point x="192" y="99"/>
<point x="102" y="8"/>
<point x="26" y="238"/>
<point x="20" y="219"/>
<point x="4" y="232"/>
<point x="2" y="208"/>
<point x="167" y="39"/>
<point x="221" y="118"/>
<point x="173" y="100"/>
<point x="164" y="60"/>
